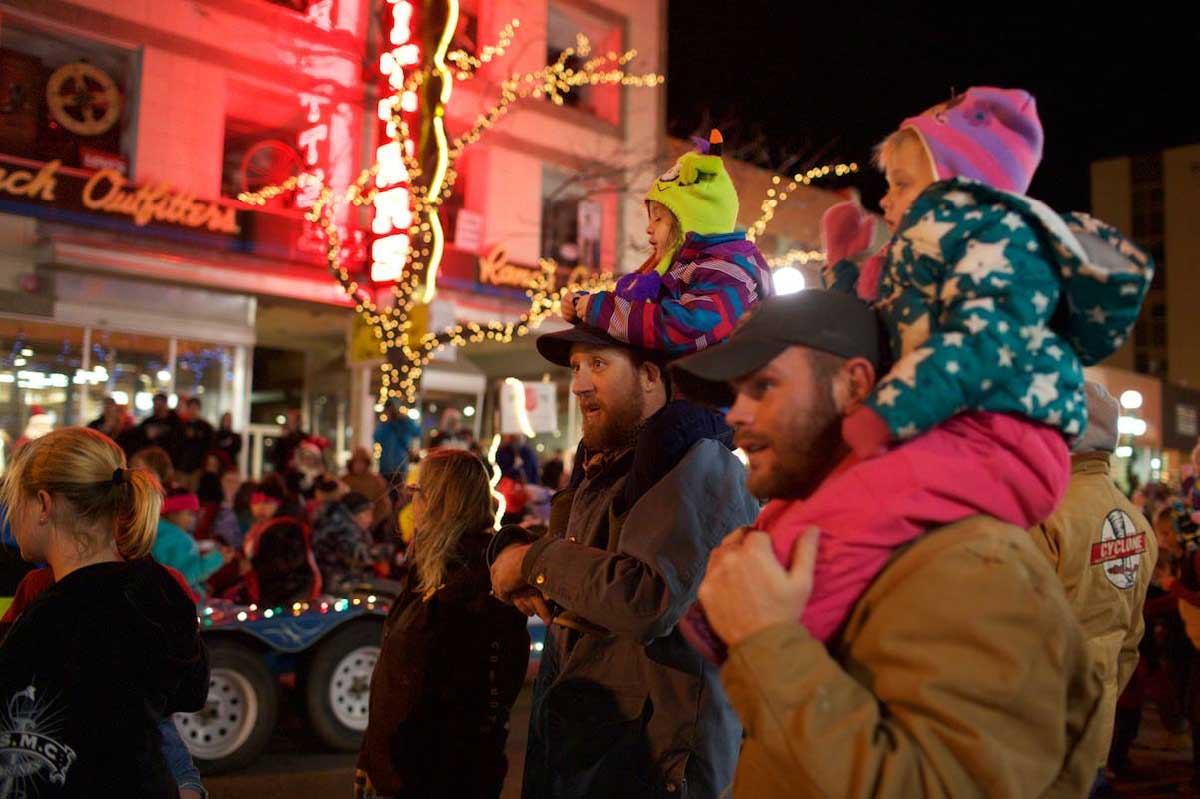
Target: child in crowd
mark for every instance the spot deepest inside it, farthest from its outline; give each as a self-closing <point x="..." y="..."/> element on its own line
<point x="175" y="547"/>
<point x="702" y="274"/>
<point x="341" y="541"/>
<point x="991" y="302"/>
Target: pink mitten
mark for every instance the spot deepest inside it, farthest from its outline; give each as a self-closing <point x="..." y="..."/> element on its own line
<point x="865" y="432"/>
<point x="847" y="230"/>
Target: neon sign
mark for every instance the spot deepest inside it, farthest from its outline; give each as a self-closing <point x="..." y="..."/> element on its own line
<point x="393" y="202"/>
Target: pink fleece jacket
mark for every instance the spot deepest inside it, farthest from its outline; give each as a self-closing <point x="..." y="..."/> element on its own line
<point x="1007" y="467"/>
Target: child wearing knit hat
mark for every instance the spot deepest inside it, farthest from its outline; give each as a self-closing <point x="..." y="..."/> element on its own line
<point x="175" y="547"/>
<point x="701" y="276"/>
<point x="991" y="302"/>
<point x="991" y="299"/>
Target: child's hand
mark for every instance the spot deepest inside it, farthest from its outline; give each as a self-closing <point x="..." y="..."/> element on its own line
<point x="846" y="231"/>
<point x="574" y="308"/>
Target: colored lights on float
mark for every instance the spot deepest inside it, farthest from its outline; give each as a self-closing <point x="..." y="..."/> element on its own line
<point x="224" y="612"/>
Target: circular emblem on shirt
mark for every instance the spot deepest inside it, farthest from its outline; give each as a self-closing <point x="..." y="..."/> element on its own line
<point x="1119" y="550"/>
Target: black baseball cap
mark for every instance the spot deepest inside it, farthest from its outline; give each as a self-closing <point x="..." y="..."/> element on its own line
<point x="556" y="347"/>
<point x="820" y="319"/>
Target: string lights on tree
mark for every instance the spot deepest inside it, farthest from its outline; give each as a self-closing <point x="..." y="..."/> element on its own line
<point x="776" y="196"/>
<point x="415" y="172"/>
<point x="413" y="176"/>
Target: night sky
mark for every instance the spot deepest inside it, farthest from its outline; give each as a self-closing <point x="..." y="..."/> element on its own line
<point x="828" y="80"/>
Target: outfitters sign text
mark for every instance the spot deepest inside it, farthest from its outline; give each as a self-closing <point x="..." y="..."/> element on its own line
<point x="106" y="191"/>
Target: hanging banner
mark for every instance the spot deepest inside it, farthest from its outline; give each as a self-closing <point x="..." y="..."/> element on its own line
<point x="528" y="408"/>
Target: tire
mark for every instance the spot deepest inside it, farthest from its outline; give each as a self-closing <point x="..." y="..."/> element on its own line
<point x="239" y="716"/>
<point x="338" y="684"/>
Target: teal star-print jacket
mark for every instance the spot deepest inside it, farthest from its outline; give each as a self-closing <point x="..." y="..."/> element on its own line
<point x="993" y="302"/>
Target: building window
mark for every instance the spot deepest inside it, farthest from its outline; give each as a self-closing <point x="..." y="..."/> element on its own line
<point x="55" y="375"/>
<point x="606" y="34"/>
<point x="66" y="98"/>
<point x="573" y="219"/>
<point x="38" y="362"/>
<point x="1150" y="333"/>
<point x="257" y="155"/>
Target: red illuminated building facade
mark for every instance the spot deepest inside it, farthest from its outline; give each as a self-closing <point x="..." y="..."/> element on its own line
<point x="128" y="266"/>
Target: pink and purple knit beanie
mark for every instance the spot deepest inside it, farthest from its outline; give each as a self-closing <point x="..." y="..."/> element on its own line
<point x="986" y="134"/>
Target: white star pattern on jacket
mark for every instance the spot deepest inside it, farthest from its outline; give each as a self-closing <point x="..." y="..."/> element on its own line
<point x="886" y="396"/>
<point x="926" y="235"/>
<point x="905" y="371"/>
<point x="982" y="260"/>
<point x="1042" y="388"/>
<point x="975" y="324"/>
<point x="1097" y="315"/>
<point x="959" y="198"/>
<point x="1040" y="301"/>
<point x="953" y="339"/>
<point x="1035" y="336"/>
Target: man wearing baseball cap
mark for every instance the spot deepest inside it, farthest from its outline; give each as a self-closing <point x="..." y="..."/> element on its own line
<point x="945" y="661"/>
<point x="622" y="706"/>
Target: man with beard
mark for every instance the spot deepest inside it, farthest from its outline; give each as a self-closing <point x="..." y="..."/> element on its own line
<point x="622" y="706"/>
<point x="960" y="670"/>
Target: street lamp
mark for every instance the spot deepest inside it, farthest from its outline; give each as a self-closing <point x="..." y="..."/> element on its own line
<point x="789" y="280"/>
<point x="1131" y="399"/>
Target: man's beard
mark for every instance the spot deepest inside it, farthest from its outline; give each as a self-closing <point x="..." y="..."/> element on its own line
<point x="617" y="425"/>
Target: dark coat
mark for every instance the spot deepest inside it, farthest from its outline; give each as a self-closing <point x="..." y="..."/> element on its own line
<point x="342" y="548"/>
<point x="195" y="440"/>
<point x="166" y="432"/>
<point x="449" y="671"/>
<point x="622" y="705"/>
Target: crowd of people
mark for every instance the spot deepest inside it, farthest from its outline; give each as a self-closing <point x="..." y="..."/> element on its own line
<point x="860" y="541"/>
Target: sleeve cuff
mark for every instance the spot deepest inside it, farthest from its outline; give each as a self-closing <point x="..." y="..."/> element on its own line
<point x="533" y="565"/>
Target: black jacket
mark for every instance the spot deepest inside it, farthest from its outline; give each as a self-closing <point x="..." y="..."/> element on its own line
<point x="448" y="673"/>
<point x="195" y="440"/>
<point x="165" y="432"/>
<point x="88" y="672"/>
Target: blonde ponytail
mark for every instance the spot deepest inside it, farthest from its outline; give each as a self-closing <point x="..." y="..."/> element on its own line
<point x="99" y="500"/>
<point x="137" y="526"/>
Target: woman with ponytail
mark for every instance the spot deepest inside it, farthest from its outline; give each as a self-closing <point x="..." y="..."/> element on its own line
<point x="95" y="662"/>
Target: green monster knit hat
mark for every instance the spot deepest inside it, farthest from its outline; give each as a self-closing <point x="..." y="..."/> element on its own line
<point x="698" y="191"/>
